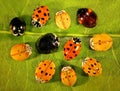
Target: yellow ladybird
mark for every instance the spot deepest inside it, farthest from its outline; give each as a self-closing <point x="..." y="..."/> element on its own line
<point x="62" y="19"/>
<point x="91" y="67"/>
<point x="101" y="42"/>
<point x="21" y="52"/>
<point x="68" y="76"/>
<point x="45" y="71"/>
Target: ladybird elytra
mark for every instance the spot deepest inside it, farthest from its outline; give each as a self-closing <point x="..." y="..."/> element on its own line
<point x="72" y="48"/>
<point x="47" y="43"/>
<point x="91" y="67"/>
<point x="20" y="52"/>
<point x="17" y="26"/>
<point x="62" y="19"/>
<point x="101" y="42"/>
<point x="87" y="17"/>
<point x="40" y="16"/>
<point x="68" y="76"/>
<point x="45" y="71"/>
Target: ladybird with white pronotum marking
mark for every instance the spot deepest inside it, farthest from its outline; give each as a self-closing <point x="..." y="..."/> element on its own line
<point x="20" y="52"/>
<point x="101" y="42"/>
<point x="87" y="17"/>
<point x="72" y="48"/>
<point x="62" y="19"/>
<point x="17" y="26"/>
<point x="47" y="43"/>
<point x="91" y="67"/>
<point x="68" y="76"/>
<point x="45" y="71"/>
<point x="40" y="16"/>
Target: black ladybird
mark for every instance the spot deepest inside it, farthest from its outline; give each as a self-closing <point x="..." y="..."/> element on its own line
<point x="47" y="43"/>
<point x="17" y="26"/>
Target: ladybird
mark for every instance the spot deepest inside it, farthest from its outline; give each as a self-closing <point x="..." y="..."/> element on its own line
<point x="101" y="42"/>
<point x="86" y="17"/>
<point x="45" y="71"/>
<point x="72" y="48"/>
<point x="68" y="76"/>
<point x="91" y="67"/>
<point x="62" y="19"/>
<point x="40" y="16"/>
<point x="17" y="26"/>
<point x="20" y="52"/>
<point x="47" y="43"/>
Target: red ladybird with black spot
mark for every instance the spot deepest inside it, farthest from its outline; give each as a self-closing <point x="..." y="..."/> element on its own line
<point x="72" y="48"/>
<point x="40" y="16"/>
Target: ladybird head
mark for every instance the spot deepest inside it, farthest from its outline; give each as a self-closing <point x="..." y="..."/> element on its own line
<point x="36" y="23"/>
<point x="76" y="40"/>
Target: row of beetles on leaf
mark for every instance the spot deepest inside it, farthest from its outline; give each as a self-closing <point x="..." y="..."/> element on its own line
<point x="50" y="42"/>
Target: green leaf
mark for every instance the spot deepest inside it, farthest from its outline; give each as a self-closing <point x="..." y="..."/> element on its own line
<point x="19" y="76"/>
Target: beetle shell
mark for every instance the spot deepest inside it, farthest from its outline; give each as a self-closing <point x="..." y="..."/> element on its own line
<point x="45" y="71"/>
<point x="86" y="17"/>
<point x="21" y="52"/>
<point x="72" y="48"/>
<point x="91" y="67"/>
<point x="68" y="76"/>
<point x="101" y="42"/>
<point x="47" y="43"/>
<point x="62" y="19"/>
<point x="40" y="16"/>
<point x="17" y="26"/>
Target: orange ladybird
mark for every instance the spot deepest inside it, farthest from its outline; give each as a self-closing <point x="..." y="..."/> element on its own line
<point x="68" y="76"/>
<point x="45" y="71"/>
<point x="40" y="16"/>
<point x="21" y="52"/>
<point x="72" y="48"/>
<point x="101" y="42"/>
<point x="91" y="67"/>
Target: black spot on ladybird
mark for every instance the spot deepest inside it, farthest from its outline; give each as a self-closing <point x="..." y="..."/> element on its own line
<point x="70" y="44"/>
<point x="37" y="15"/>
<point x="68" y="48"/>
<point x="92" y="65"/>
<point x="75" y="55"/>
<point x="89" y="68"/>
<point x="42" y="19"/>
<point x="39" y="68"/>
<point x="50" y="67"/>
<point x="46" y="74"/>
<point x="74" y="51"/>
<point x="49" y="74"/>
<point x="88" y="71"/>
<point x="90" y="58"/>
<point x="42" y="71"/>
<point x="65" y="55"/>
<point x="48" y="14"/>
<point x="94" y="72"/>
<point x="45" y="14"/>
<point x="95" y="64"/>
<point x="42" y="6"/>
<point x="74" y="47"/>
<point x="70" y="57"/>
<point x="39" y="11"/>
<point x="44" y="64"/>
